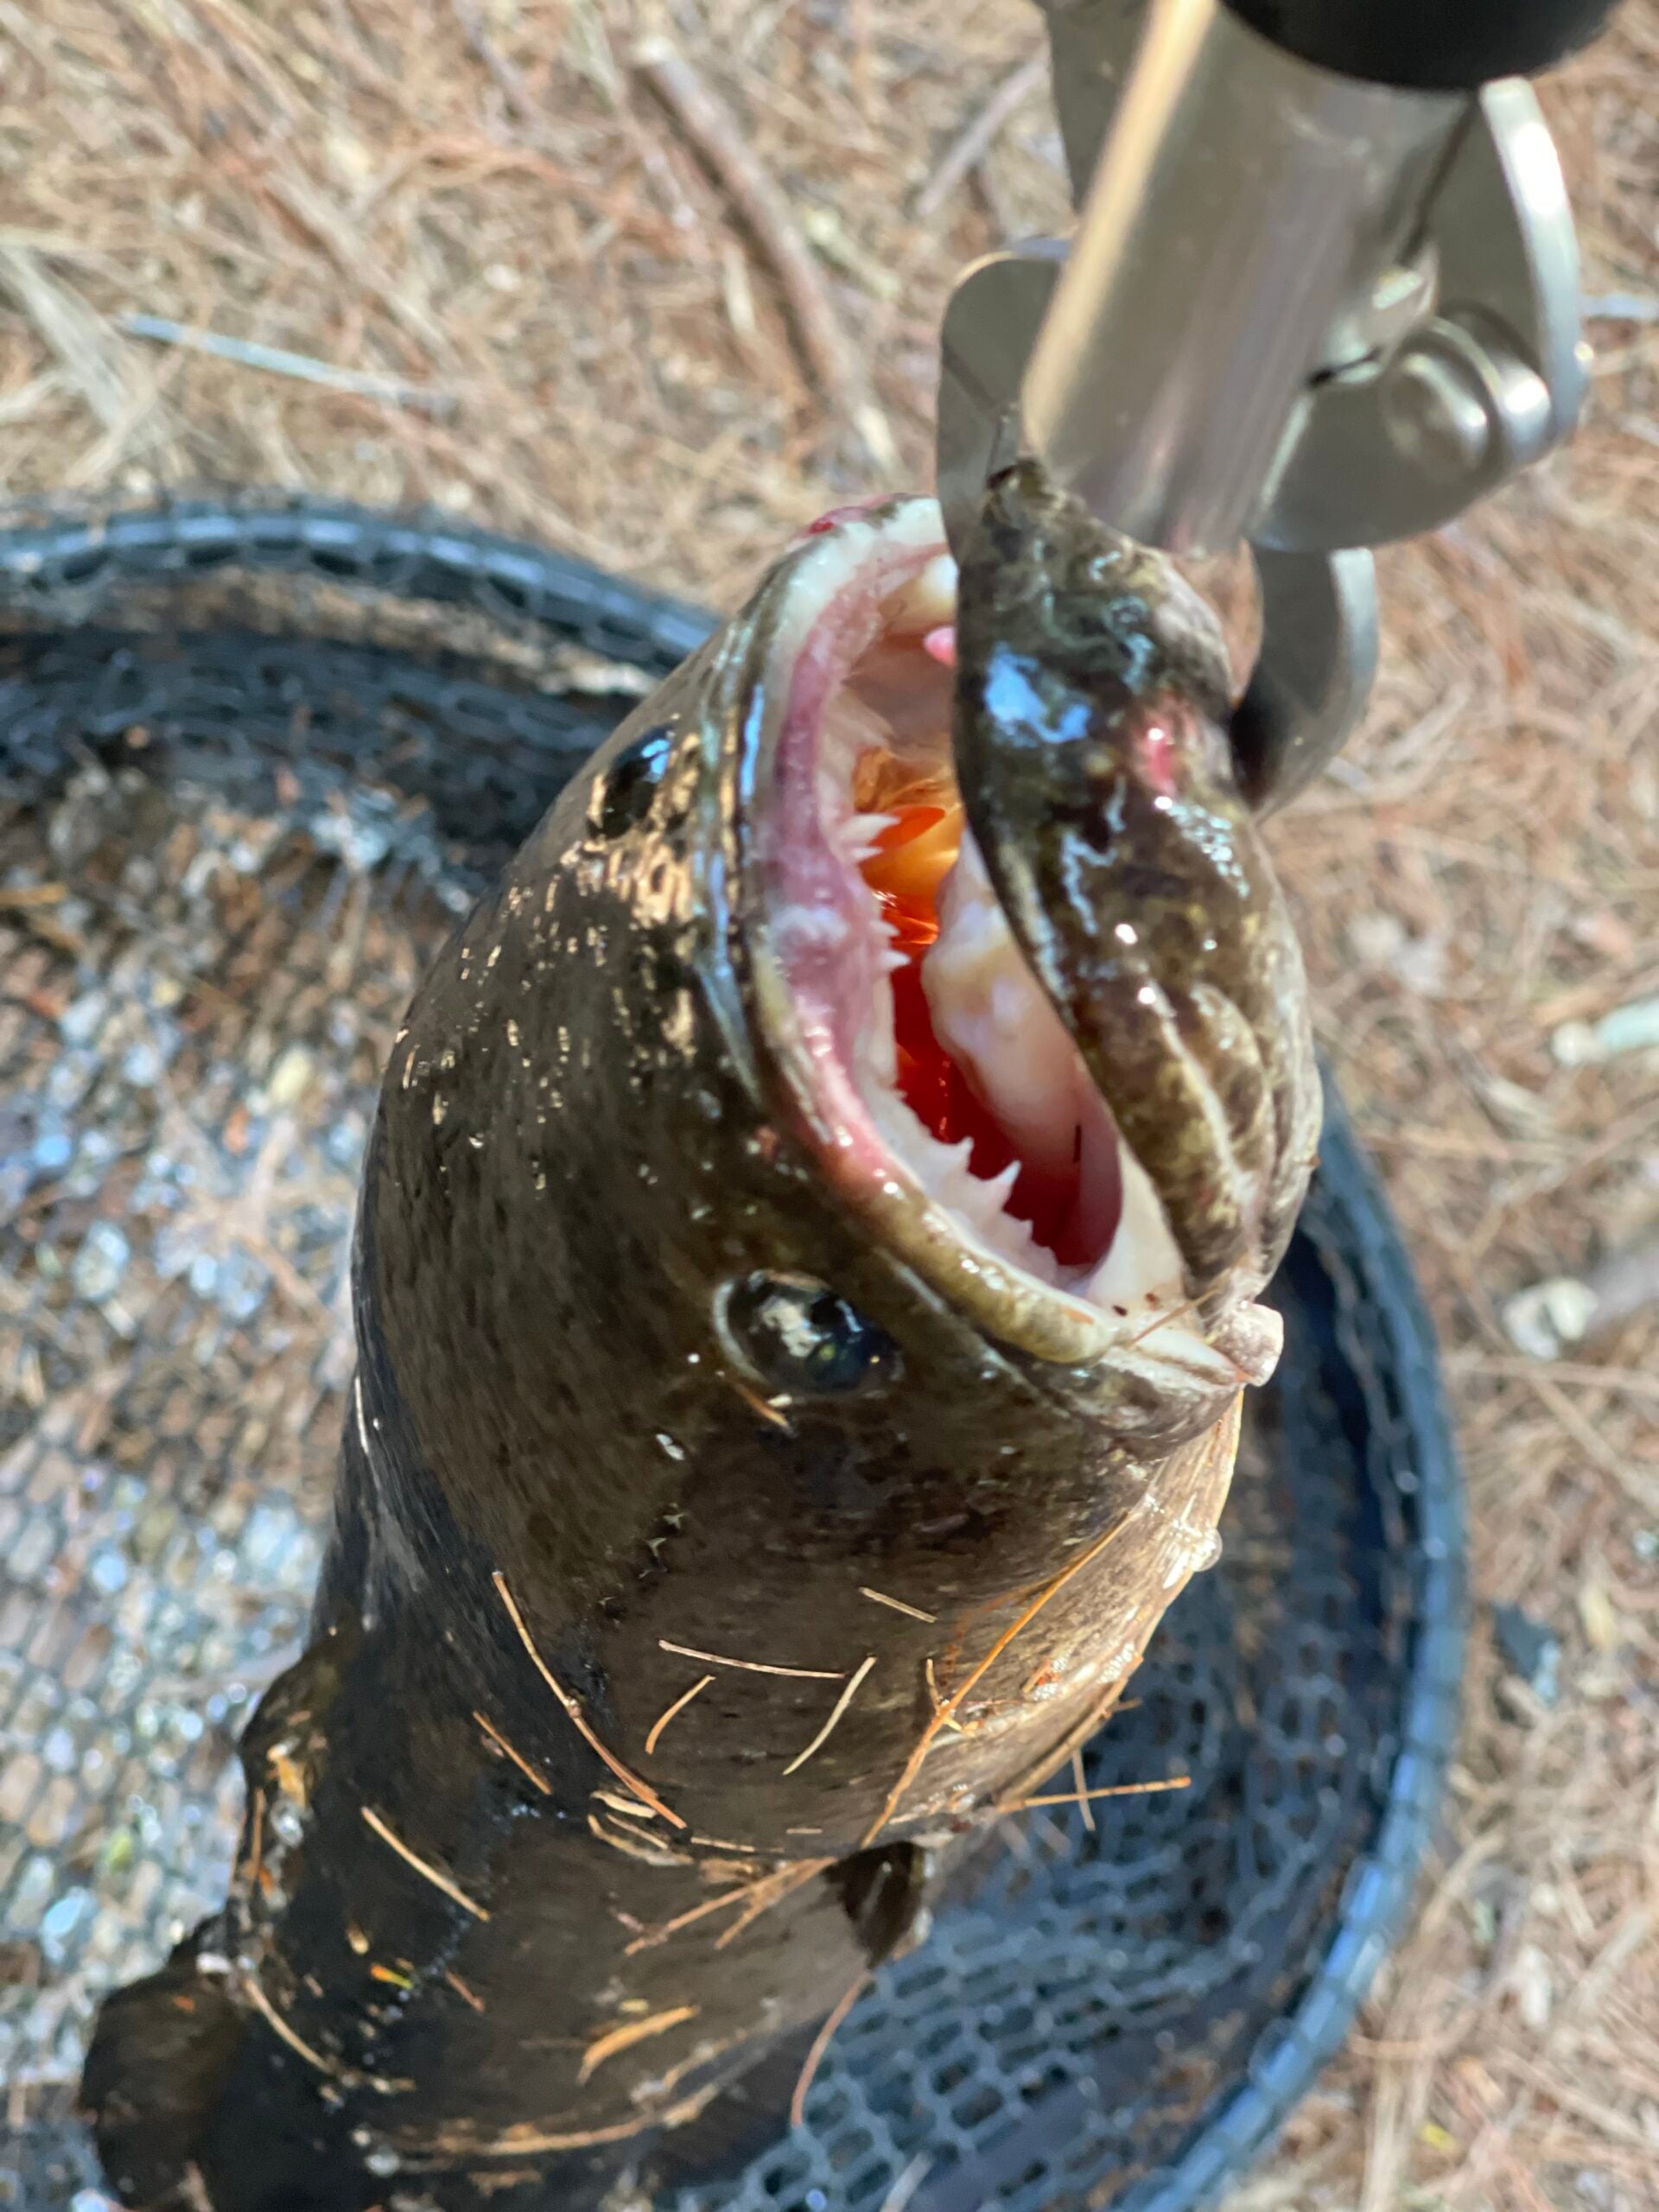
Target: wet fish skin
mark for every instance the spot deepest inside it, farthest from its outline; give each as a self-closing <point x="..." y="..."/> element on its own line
<point x="587" y="1148"/>
<point x="1091" y="734"/>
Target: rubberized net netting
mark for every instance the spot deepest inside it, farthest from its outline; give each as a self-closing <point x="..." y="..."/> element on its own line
<point x="253" y="764"/>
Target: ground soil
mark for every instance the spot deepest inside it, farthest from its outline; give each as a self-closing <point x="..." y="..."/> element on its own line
<point x="476" y="201"/>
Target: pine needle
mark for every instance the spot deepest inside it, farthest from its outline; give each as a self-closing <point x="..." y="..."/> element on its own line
<point x="574" y="1714"/>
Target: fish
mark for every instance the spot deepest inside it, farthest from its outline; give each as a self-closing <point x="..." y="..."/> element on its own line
<point x="807" y="1269"/>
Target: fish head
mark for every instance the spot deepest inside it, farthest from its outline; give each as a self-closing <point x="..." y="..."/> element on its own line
<point x="1017" y="970"/>
<point x="878" y="1082"/>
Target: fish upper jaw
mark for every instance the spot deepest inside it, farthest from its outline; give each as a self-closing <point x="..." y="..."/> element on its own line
<point x="927" y="1067"/>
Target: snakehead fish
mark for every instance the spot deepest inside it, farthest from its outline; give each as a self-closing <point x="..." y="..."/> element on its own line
<point x="806" y="1273"/>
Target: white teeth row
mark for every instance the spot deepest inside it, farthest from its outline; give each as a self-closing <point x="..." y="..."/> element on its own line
<point x="860" y="835"/>
<point x="849" y="731"/>
<point x="942" y="1172"/>
<point x="1141" y="1272"/>
<point x="982" y="1203"/>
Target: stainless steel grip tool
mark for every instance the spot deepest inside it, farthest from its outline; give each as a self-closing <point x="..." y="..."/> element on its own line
<point x="1322" y="294"/>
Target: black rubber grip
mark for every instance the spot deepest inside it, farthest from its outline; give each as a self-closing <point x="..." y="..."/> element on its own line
<point x="1447" y="46"/>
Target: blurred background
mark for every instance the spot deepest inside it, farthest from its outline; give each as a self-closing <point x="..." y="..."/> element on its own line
<point x="500" y="281"/>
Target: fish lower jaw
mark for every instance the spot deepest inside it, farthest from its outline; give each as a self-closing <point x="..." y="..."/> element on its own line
<point x="1139" y="1277"/>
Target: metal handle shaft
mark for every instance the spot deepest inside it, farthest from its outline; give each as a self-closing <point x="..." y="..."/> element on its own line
<point x="1240" y="193"/>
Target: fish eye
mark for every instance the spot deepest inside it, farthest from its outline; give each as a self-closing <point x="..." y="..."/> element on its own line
<point x="623" y="798"/>
<point x="800" y="1336"/>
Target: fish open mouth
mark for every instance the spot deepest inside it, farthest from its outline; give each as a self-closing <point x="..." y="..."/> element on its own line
<point x="935" y="1073"/>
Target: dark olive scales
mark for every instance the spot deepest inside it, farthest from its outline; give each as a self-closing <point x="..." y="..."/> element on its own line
<point x="704" y="1571"/>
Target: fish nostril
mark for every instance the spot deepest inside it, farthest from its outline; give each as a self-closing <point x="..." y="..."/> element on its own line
<point x="799" y="1336"/>
<point x="622" y="798"/>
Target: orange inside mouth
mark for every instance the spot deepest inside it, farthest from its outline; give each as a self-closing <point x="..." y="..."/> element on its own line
<point x="912" y="856"/>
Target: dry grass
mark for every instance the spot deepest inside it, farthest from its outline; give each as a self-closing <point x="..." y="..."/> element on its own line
<point x="474" y="201"/>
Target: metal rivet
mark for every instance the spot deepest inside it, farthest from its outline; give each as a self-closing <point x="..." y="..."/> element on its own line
<point x="1436" y="416"/>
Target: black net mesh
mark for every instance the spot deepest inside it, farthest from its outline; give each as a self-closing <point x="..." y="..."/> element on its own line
<point x="251" y="763"/>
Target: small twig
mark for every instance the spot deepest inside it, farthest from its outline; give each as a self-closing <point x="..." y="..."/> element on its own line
<point x="977" y="135"/>
<point x="1642" y="1491"/>
<point x="1081" y="1781"/>
<point x="898" y="2197"/>
<point x="877" y="1598"/>
<point x="386" y="2084"/>
<point x="1223" y="1439"/>
<point x="652" y="1936"/>
<point x="514" y="90"/>
<point x="946" y="1713"/>
<point x="276" y="360"/>
<point x="821" y="2043"/>
<point x="279" y="2026"/>
<point x="754" y="1666"/>
<point x="832" y="1722"/>
<point x="772" y="1888"/>
<point x="1628" y="1382"/>
<point x="1083" y="1797"/>
<point x="438" y="1879"/>
<point x="255" y="1849"/>
<point x="524" y="2140"/>
<point x="678" y="1706"/>
<point x="752" y="1398"/>
<point x="77" y="335"/>
<point x="1101" y="1709"/>
<point x="631" y="2032"/>
<point x="518" y="1758"/>
<point x="462" y="1991"/>
<point x="713" y="135"/>
<point x="636" y="1843"/>
<point x="573" y="1712"/>
<point x="936" y="1697"/>
<point x="1176" y="1314"/>
<point x="628" y="1807"/>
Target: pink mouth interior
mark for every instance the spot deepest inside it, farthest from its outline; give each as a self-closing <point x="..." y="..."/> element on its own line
<point x="1008" y="1132"/>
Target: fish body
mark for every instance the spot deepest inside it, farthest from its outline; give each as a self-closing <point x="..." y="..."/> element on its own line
<point x="805" y="1282"/>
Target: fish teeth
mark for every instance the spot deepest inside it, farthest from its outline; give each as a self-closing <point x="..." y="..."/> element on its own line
<point x="1001" y="1187"/>
<point x="942" y="1170"/>
<point x="857" y="836"/>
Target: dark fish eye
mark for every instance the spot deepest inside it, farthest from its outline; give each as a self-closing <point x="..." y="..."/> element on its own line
<point x="623" y="798"/>
<point x="799" y="1336"/>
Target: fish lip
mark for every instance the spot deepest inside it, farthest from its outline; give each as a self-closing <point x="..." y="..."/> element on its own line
<point x="876" y="551"/>
<point x="1093" y="700"/>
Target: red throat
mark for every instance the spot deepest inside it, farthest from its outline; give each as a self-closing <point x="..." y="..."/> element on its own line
<point x="912" y="856"/>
